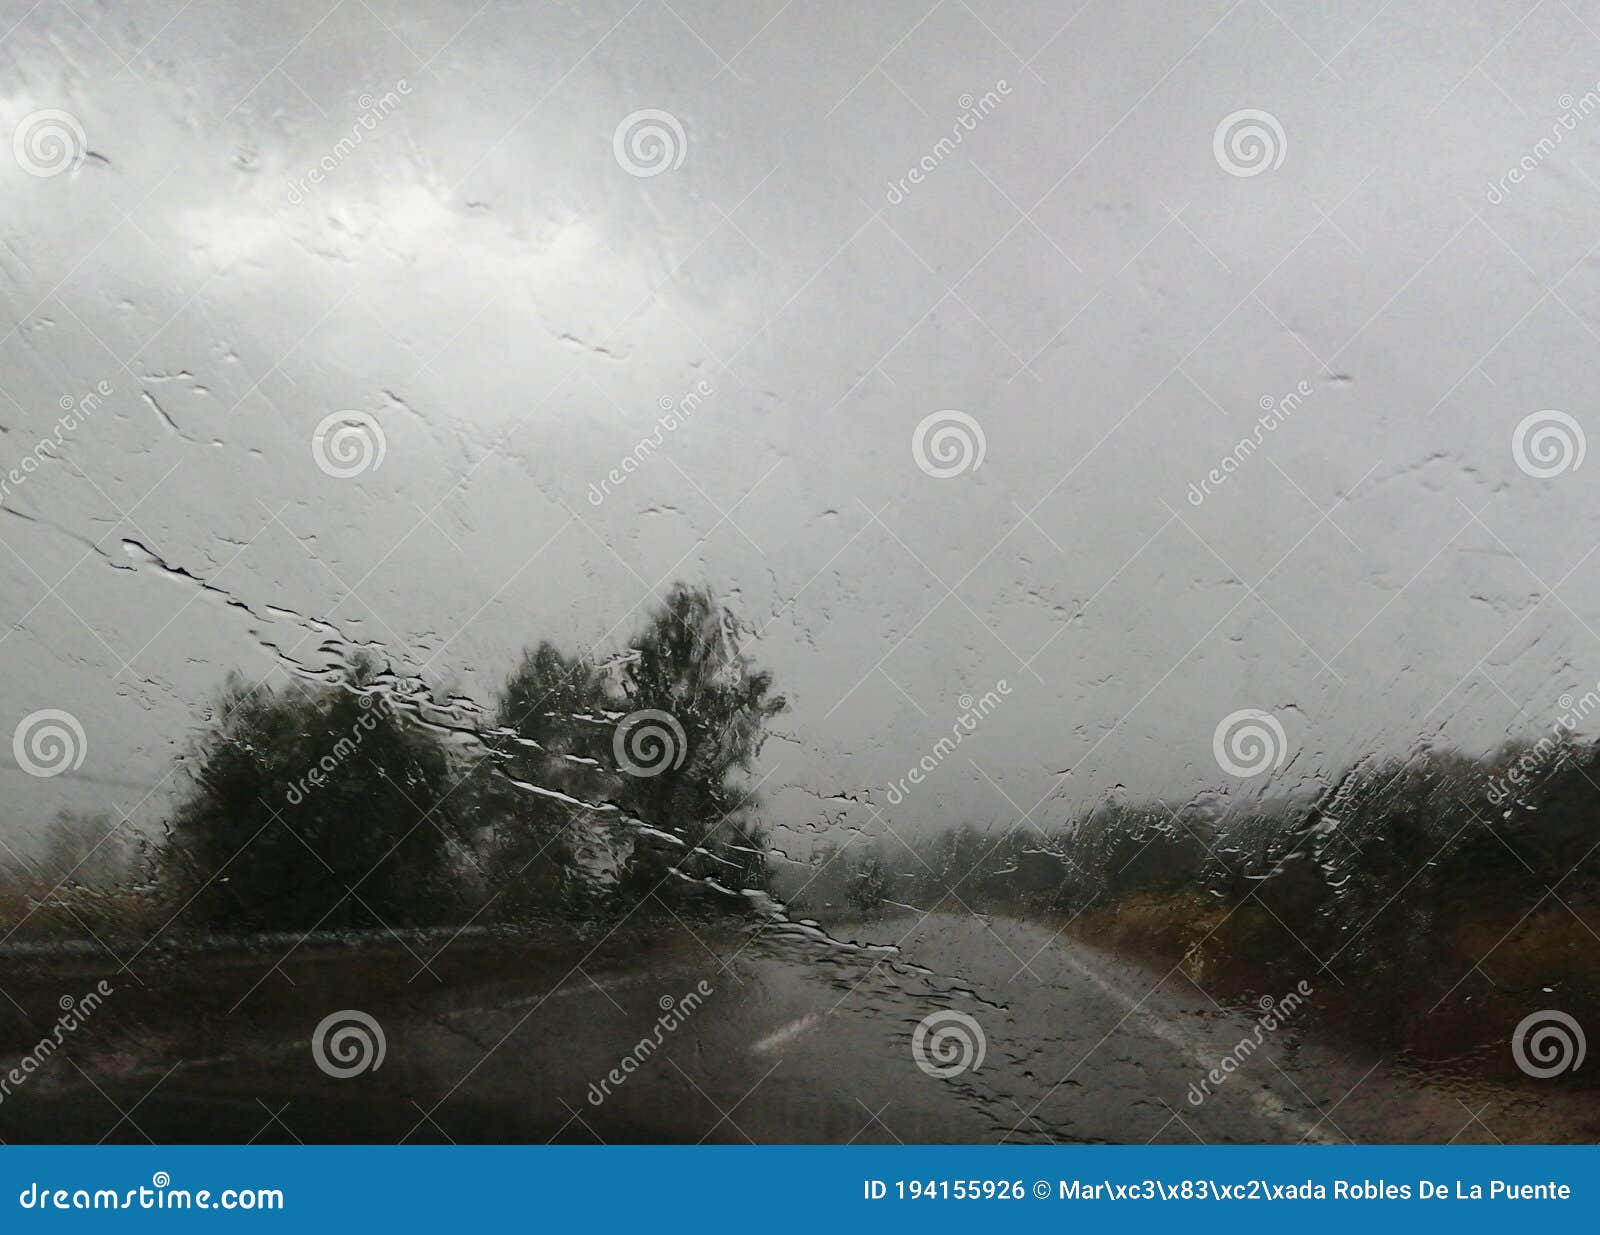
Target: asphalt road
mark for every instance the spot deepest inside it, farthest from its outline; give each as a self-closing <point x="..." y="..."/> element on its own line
<point x="783" y="1038"/>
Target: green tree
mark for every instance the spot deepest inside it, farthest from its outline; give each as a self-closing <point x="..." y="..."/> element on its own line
<point x="552" y="736"/>
<point x="867" y="882"/>
<point x="316" y="806"/>
<point x="688" y="664"/>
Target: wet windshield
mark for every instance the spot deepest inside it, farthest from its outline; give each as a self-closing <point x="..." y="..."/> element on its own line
<point x="719" y="572"/>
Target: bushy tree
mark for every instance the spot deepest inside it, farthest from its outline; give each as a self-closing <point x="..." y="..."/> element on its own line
<point x="688" y="664"/>
<point x="338" y="805"/>
<point x="315" y="805"/>
<point x="551" y="734"/>
<point x="867" y="882"/>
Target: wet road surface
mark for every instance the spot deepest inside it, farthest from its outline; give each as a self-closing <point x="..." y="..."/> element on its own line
<point x="785" y="1037"/>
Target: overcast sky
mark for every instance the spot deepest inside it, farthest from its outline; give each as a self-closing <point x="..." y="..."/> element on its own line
<point x="452" y="220"/>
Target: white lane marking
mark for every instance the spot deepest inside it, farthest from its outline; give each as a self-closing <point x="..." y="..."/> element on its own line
<point x="1262" y="1098"/>
<point x="786" y="1034"/>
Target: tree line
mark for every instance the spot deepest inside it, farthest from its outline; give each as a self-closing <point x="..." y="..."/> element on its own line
<point x="356" y="802"/>
<point x="1443" y="890"/>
